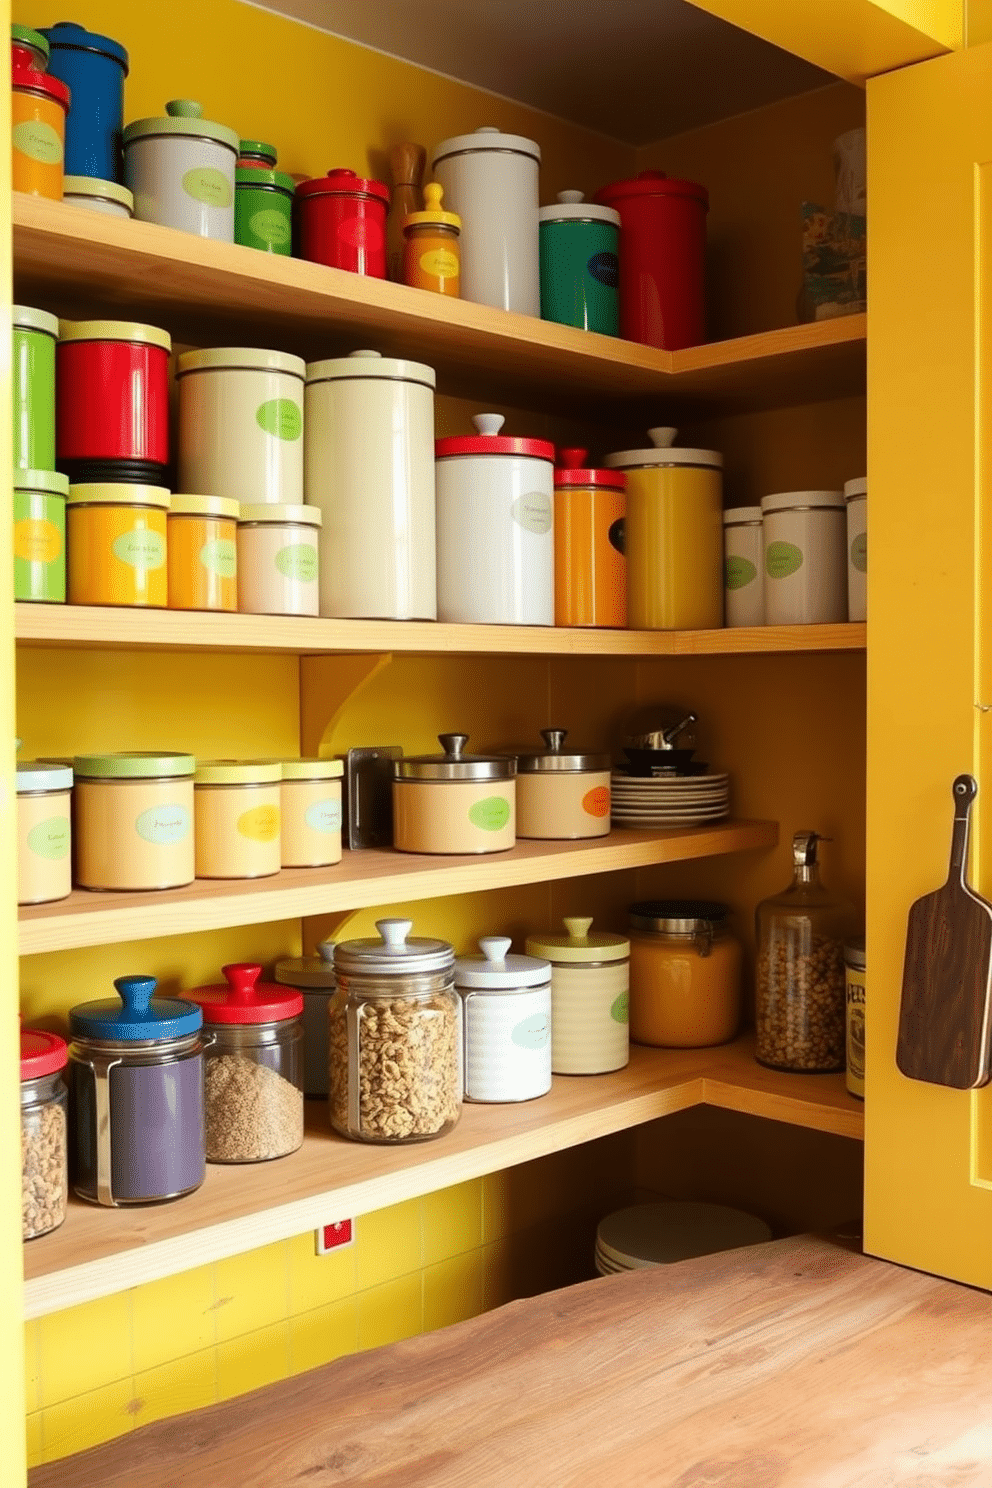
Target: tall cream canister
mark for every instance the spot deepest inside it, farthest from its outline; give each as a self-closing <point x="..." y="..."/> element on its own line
<point x="590" y="996"/>
<point x="805" y="558"/>
<point x="856" y="497"/>
<point x="311" y="812"/>
<point x="238" y="818"/>
<point x="743" y="567"/>
<point x="44" y="834"/>
<point x="561" y="793"/>
<point x="134" y="820"/>
<point x="454" y="802"/>
<point x="369" y="467"/>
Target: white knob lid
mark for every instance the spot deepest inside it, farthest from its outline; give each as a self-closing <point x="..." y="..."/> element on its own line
<point x="488" y="423"/>
<point x="663" y="437"/>
<point x="494" y="948"/>
<point x="325" y="950"/>
<point x="394" y="933"/>
<point x="571" y="198"/>
<point x="578" y="929"/>
<point x="365" y="354"/>
<point x="487" y="129"/>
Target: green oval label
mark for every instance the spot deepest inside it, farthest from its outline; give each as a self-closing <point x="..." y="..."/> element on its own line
<point x="38" y="140"/>
<point x="141" y="549"/>
<point x="739" y="572"/>
<point x="298" y="561"/>
<point x="532" y="1032"/>
<point x="163" y="824"/>
<point x="270" y="227"/>
<point x="281" y="417"/>
<point x="220" y="557"/>
<point x="491" y="813"/>
<point x="204" y="184"/>
<point x="782" y="559"/>
<point x="533" y="512"/>
<point x="324" y="816"/>
<point x="50" y="839"/>
<point x="620" y="1011"/>
<point x="859" y="552"/>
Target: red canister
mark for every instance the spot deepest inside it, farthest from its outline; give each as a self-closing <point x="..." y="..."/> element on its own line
<point x="342" y="222"/>
<point x="112" y="401"/>
<point x="662" y="258"/>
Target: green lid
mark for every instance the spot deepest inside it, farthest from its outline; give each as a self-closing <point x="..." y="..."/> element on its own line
<point x="27" y="319"/>
<point x="271" y="179"/>
<point x="49" y="481"/>
<point x="138" y="765"/>
<point x="261" y="148"/>
<point x="238" y="772"/>
<point x="33" y="39"/>
<point x="312" y="769"/>
<point x="183" y="116"/>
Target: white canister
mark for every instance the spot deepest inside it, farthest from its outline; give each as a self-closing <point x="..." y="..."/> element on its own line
<point x="238" y="818"/>
<point x="311" y="812"/>
<point x="495" y="528"/>
<point x="805" y="558"/>
<point x="181" y="171"/>
<point x="370" y="469"/>
<point x="278" y="563"/>
<point x="44" y="832"/>
<point x="590" y="997"/>
<point x="743" y="567"/>
<point x="562" y="795"/>
<point x="491" y="180"/>
<point x="454" y="802"/>
<point x="314" y="977"/>
<point x="506" y="1024"/>
<point x="856" y="497"/>
<point x="241" y="424"/>
<point x="107" y="197"/>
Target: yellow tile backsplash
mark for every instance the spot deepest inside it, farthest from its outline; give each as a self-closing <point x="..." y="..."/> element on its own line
<point x="173" y="1318"/>
<point x="391" y="1311"/>
<point x="388" y="1244"/>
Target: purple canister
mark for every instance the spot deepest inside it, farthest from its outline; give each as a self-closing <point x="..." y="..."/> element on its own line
<point x="137" y="1087"/>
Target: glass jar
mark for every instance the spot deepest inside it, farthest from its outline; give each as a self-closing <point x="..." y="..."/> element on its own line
<point x="431" y="248"/>
<point x="253" y="1069"/>
<point x="590" y="998"/>
<point x="313" y="978"/>
<point x="799" y="986"/>
<point x="44" y="1165"/>
<point x="854" y="987"/>
<point x="506" y="1005"/>
<point x="685" y="974"/>
<point x="395" y="1032"/>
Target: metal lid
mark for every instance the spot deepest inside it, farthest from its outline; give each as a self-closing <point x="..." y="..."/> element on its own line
<point x="40" y="775"/>
<point x="571" y="470"/>
<point x="237" y="772"/>
<point x="494" y="968"/>
<point x="572" y="207"/>
<point x="663" y="454"/>
<point x="42" y="1053"/>
<point x="183" y="116"/>
<point x="342" y="182"/>
<point x="272" y="511"/>
<point x="136" y="765"/>
<point x="393" y="953"/>
<point x="804" y="848"/>
<point x="652" y="183"/>
<point x="370" y="364"/>
<point x="48" y="481"/>
<point x="578" y="944"/>
<point x="31" y="41"/>
<point x="259" y="177"/>
<point x="137" y="1016"/>
<point x="116" y="493"/>
<point x="315" y="972"/>
<point x="803" y="501"/>
<point x="488" y="441"/>
<point x="486" y="137"/>
<point x="69" y="35"/>
<point x="242" y="998"/>
<point x="554" y="759"/>
<point x="854" y="953"/>
<point x="239" y="359"/>
<point x="31" y="79"/>
<point x="433" y="213"/>
<point x="27" y="318"/>
<point x="742" y="516"/>
<point x="453" y="764"/>
<point x="204" y="506"/>
<point x="114" y="330"/>
<point x="98" y="190"/>
<point x="854" y="488"/>
<point x="260" y="149"/>
<point x="677" y="916"/>
<point x="312" y="769"/>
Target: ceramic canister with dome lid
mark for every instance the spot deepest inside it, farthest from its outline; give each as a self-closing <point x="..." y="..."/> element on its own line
<point x="562" y="793"/>
<point x="590" y="543"/>
<point x="743" y="566"/>
<point x="341" y="222"/>
<point x="590" y="995"/>
<point x="856" y="498"/>
<point x="579" y="264"/>
<point x="805" y="541"/>
<point x="495" y="527"/>
<point x="181" y="171"/>
<point x="44" y="1145"/>
<point x="454" y="802"/>
<point x="506" y="1017"/>
<point x="313" y="978"/>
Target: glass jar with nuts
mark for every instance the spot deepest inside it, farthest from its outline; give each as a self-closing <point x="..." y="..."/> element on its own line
<point x="44" y="1167"/>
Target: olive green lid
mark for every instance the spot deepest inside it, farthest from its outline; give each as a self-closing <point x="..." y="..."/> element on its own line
<point x="116" y="493"/>
<point x="25" y="318"/>
<point x="238" y="359"/>
<point x="182" y="116"/>
<point x="257" y="176"/>
<point x="272" y="511"/>
<point x="238" y="772"/>
<point x="577" y="945"/>
<point x="33" y="39"/>
<point x="204" y="506"/>
<point x="41" y="480"/>
<point x="114" y="330"/>
<point x="98" y="190"/>
<point x="261" y="148"/>
<point x="138" y="765"/>
<point x="312" y="769"/>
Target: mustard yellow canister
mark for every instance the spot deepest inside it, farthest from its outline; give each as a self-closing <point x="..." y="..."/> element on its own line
<point x="116" y="545"/>
<point x="238" y="824"/>
<point x="203" y="553"/>
<point x="311" y="812"/>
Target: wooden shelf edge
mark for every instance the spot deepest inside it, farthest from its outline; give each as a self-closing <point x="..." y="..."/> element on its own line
<point x="839" y="1120"/>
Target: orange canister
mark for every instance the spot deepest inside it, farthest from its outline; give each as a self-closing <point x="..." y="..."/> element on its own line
<point x="203" y="553"/>
<point x="590" y="567"/>
<point x="116" y="545"/>
<point x="431" y="250"/>
<point x="39" y="105"/>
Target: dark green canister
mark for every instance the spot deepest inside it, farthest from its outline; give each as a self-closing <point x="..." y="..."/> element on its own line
<point x="263" y="210"/>
<point x="579" y="244"/>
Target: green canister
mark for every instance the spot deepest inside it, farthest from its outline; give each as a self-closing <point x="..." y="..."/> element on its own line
<point x="35" y="333"/>
<point x="580" y="264"/>
<point x="263" y="209"/>
<point x="39" y="535"/>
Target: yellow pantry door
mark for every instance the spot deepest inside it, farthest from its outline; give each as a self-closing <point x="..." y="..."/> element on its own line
<point x="928" y="1183"/>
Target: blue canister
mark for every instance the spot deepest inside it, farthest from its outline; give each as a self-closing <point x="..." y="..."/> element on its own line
<point x="580" y="265"/>
<point x="94" y="67"/>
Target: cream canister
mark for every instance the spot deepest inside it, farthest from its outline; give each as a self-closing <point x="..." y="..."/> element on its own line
<point x="506" y="1023"/>
<point x="311" y="812"/>
<point x="238" y="818"/>
<point x="454" y="802"/>
<point x="562" y="794"/>
<point x="180" y="169"/>
<point x="856" y="500"/>
<point x="743" y="567"/>
<point x="805" y="540"/>
<point x="590" y="997"/>
<point x="369" y="467"/>
<point x="107" y="197"/>
<point x="44" y="832"/>
<point x="278" y="559"/>
<point x="134" y="820"/>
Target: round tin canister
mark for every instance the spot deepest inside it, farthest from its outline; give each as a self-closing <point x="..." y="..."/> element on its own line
<point x="238" y="818"/>
<point x="112" y="414"/>
<point x="278" y="565"/>
<point x="580" y="265"/>
<point x="590" y="997"/>
<point x="854" y="980"/>
<point x="454" y="802"/>
<point x="134" y="821"/>
<point x="35" y="333"/>
<point x="674" y="535"/>
<point x="256" y="155"/>
<point x="431" y="248"/>
<point x="662" y="258"/>
<point x="99" y="196"/>
<point x="263" y="209"/>
<point x="94" y="67"/>
<point x="495" y="528"/>
<point x="39" y="535"/>
<point x="39" y="105"/>
<point x="369" y="467"/>
<point x="203" y="553"/>
<point x="44" y="833"/>
<point x="506" y="1023"/>
<point x="590" y="563"/>
<point x="743" y="566"/>
<point x="856" y="498"/>
<point x="490" y="180"/>
<point x="241" y="424"/>
<point x="117" y="545"/>
<point x="562" y="795"/>
<point x="136" y="1070"/>
<point x="28" y="48"/>
<point x="341" y="220"/>
<point x="311" y="812"/>
<point x="314" y="977"/>
<point x="181" y="170"/>
<point x="806" y="563"/>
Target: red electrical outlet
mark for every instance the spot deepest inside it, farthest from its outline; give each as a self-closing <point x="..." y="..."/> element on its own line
<point x="333" y="1236"/>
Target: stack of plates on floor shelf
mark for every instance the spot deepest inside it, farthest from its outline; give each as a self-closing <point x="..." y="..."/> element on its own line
<point x="668" y="800"/>
<point x="657" y="1234"/>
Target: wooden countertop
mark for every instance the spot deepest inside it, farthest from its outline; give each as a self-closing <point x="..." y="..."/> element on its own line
<point x="792" y="1365"/>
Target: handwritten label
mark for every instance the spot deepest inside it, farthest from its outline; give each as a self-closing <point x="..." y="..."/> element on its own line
<point x="260" y="824"/>
<point x="209" y="186"/>
<point x="37" y="540"/>
<point x="324" y="816"/>
<point x="38" y="141"/>
<point x="220" y="557"/>
<point x="163" y="824"/>
<point x="298" y="561"/>
<point x="440" y="263"/>
<point x="533" y="512"/>
<point x="270" y="227"/>
<point x="50" y="839"/>
<point x="140" y="549"/>
<point x="532" y="1032"/>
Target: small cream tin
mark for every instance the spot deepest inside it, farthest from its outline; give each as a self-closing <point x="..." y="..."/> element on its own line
<point x="238" y="818"/>
<point x="562" y="795"/>
<point x="311" y="812"/>
<point x="44" y="833"/>
<point x="454" y="802"/>
<point x="134" y="820"/>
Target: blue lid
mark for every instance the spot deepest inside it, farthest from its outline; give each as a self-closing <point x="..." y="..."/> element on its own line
<point x="141" y="1017"/>
<point x="69" y="34"/>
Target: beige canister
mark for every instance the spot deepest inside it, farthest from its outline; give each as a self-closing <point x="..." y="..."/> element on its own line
<point x="454" y="802"/>
<point x="278" y="564"/>
<point x="856" y="500"/>
<point x="561" y="795"/>
<point x="238" y="818"/>
<point x="590" y="996"/>
<point x="311" y="812"/>
<point x="134" y="820"/>
<point x="44" y="832"/>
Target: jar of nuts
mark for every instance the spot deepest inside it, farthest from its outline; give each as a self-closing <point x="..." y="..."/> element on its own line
<point x="395" y="1034"/>
<point x="799" y="984"/>
<point x="44" y="1166"/>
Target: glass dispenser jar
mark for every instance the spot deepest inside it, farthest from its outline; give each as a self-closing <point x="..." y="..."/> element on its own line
<point x="685" y="974"/>
<point x="395" y="1033"/>
<point x="44" y="1168"/>
<point x="799" y="987"/>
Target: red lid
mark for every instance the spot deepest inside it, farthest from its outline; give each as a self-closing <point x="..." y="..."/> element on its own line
<point x="571" y="471"/>
<point x="651" y="183"/>
<point x="40" y="82"/>
<point x="489" y="441"/>
<point x="244" y="999"/>
<point x="41" y="1053"/>
<point x="343" y="183"/>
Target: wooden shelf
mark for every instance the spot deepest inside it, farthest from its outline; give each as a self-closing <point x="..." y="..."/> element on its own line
<point x="99" y="1251"/>
<point x="370" y="877"/>
<point x="80" y="263"/>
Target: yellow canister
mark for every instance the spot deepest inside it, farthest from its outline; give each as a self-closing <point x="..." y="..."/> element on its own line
<point x="854" y="979"/>
<point x="311" y="812"/>
<point x="238" y="818"/>
<point x="203" y="553"/>
<point x="590" y="984"/>
<point x="674" y="535"/>
<point x="39" y="104"/>
<point x="431" y="251"/>
<point x="454" y="802"/>
<point x="116" y="545"/>
<point x="44" y="833"/>
<point x="685" y="974"/>
<point x="133" y="820"/>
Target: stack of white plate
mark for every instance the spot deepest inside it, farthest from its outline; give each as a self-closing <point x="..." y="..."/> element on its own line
<point x="657" y="1234"/>
<point x="668" y="800"/>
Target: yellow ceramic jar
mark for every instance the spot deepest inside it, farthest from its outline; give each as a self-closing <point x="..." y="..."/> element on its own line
<point x="203" y="553"/>
<point x="44" y="834"/>
<point x="133" y="820"/>
<point x="311" y="812"/>
<point x="116" y="545"/>
<point x="685" y="974"/>
<point x="238" y="818"/>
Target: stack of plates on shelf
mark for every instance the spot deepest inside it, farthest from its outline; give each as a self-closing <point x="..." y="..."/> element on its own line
<point x="657" y="1234"/>
<point x="668" y="800"/>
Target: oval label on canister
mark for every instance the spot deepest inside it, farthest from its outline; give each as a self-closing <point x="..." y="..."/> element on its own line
<point x="620" y="1010"/>
<point x="281" y="417"/>
<point x="440" y="263"/>
<point x="618" y="535"/>
<point x="782" y="559"/>
<point x="220" y="556"/>
<point x="532" y="1032"/>
<point x="163" y="824"/>
<point x="491" y="813"/>
<point x="361" y="232"/>
<point x="533" y="512"/>
<point x="209" y="186"/>
<point x="859" y="552"/>
<point x="298" y="561"/>
<point x="596" y="802"/>
<point x="324" y="816"/>
<point x="50" y="839"/>
<point x="140" y="549"/>
<point x="38" y="140"/>
<point x="260" y="824"/>
<point x="37" y="540"/>
<point x="270" y="226"/>
<point x="605" y="269"/>
<point x="739" y="572"/>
